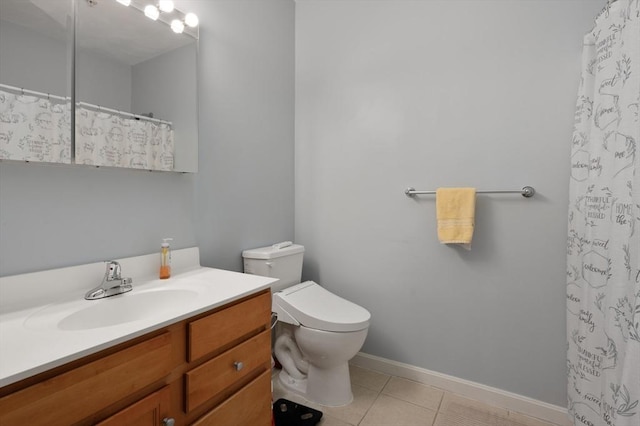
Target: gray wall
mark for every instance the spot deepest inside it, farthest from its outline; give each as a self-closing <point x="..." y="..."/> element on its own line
<point x="391" y="94"/>
<point x="55" y="216"/>
<point x="103" y="81"/>
<point x="245" y="180"/>
<point x="44" y="69"/>
<point x="166" y="86"/>
<point x="99" y="80"/>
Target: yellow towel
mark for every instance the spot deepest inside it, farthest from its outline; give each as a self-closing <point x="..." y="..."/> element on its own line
<point x="455" y="211"/>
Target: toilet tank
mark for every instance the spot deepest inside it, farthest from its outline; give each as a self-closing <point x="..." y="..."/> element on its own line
<point x="277" y="261"/>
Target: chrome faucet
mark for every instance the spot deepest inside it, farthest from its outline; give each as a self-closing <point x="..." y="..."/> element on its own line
<point x="112" y="283"/>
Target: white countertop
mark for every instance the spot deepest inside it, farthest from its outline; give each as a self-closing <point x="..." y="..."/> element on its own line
<point x="31" y="342"/>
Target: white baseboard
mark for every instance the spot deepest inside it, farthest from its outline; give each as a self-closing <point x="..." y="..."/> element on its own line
<point x="486" y="394"/>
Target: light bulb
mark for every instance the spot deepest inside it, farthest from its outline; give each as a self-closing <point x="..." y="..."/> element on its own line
<point x="124" y="2"/>
<point x="166" y="5"/>
<point x="151" y="12"/>
<point x="177" y="26"/>
<point x="191" y="19"/>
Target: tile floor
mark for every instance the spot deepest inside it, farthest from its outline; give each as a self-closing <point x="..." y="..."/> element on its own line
<point x="383" y="400"/>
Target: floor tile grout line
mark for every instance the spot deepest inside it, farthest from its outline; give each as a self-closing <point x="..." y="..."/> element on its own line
<point x="442" y="391"/>
<point x="408" y="402"/>
<point x="440" y="412"/>
<point x="367" y="410"/>
<point x="386" y="382"/>
<point x="435" y="418"/>
<point x="382" y="392"/>
<point x="379" y="392"/>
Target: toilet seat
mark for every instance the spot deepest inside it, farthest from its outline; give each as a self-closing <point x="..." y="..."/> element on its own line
<point x="314" y="307"/>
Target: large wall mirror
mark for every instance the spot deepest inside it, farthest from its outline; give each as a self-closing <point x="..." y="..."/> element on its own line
<point x="36" y="43"/>
<point x="135" y="84"/>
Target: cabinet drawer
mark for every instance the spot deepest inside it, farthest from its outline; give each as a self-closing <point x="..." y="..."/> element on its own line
<point x="249" y="406"/>
<point x="206" y="381"/>
<point x="72" y="396"/>
<point x="212" y="332"/>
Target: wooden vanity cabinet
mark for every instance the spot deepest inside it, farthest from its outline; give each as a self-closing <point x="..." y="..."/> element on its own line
<point x="211" y="369"/>
<point x="153" y="409"/>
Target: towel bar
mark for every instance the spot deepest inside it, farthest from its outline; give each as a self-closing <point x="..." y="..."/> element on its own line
<point x="527" y="192"/>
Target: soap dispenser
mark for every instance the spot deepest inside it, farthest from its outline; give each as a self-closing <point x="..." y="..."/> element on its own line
<point x="165" y="259"/>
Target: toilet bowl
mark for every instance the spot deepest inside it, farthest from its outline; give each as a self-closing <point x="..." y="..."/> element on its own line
<point x="319" y="332"/>
<point x="322" y="333"/>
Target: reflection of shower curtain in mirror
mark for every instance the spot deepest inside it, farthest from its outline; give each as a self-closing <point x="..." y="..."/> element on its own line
<point x="603" y="279"/>
<point x="34" y="128"/>
<point x="106" y="139"/>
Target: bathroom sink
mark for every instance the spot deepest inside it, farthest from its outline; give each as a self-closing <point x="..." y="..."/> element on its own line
<point x="110" y="311"/>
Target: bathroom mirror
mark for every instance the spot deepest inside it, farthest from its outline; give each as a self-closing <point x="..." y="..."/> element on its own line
<point x="36" y="47"/>
<point x="135" y="85"/>
<point x="136" y="88"/>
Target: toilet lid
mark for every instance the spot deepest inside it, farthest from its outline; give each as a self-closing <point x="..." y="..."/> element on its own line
<point x="314" y="307"/>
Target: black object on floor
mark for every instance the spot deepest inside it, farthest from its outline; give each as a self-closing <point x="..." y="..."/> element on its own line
<point x="287" y="413"/>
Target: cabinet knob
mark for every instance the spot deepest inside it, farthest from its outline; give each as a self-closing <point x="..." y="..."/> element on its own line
<point x="238" y="365"/>
<point x="168" y="421"/>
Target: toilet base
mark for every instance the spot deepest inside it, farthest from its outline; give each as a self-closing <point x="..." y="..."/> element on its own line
<point x="329" y="387"/>
<point x="298" y="386"/>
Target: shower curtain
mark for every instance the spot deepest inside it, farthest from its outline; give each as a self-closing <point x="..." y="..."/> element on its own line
<point x="34" y="128"/>
<point x="603" y="250"/>
<point x="108" y="139"/>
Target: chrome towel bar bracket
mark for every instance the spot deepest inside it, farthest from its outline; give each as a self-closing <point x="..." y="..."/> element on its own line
<point x="527" y="192"/>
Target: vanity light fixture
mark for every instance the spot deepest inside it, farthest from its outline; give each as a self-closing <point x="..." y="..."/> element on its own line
<point x="151" y="12"/>
<point x="165" y="6"/>
<point x="155" y="11"/>
<point x="177" y="26"/>
<point x="191" y="19"/>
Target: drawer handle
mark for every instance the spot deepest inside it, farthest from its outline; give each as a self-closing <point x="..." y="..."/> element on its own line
<point x="168" y="421"/>
<point x="238" y="365"/>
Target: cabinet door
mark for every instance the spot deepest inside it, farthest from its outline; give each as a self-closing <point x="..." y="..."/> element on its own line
<point x="149" y="411"/>
<point x="251" y="405"/>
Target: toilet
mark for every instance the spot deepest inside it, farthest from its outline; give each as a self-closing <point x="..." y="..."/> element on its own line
<point x="319" y="331"/>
